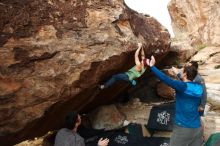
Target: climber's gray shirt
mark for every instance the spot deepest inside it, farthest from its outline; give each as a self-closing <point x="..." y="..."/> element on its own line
<point x="66" y="137"/>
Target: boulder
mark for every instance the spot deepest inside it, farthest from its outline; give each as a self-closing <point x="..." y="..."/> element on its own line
<point x="165" y="91"/>
<point x="53" y="54"/>
<point x="208" y="55"/>
<point x="213" y="91"/>
<point x="213" y="86"/>
<point x="106" y="117"/>
<point x="211" y="123"/>
<point x="135" y="111"/>
<point x="182" y="49"/>
<point x="213" y="97"/>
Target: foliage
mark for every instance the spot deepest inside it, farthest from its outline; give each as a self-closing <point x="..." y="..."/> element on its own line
<point x="200" y="47"/>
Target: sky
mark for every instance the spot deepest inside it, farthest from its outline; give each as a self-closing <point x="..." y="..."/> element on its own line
<point x="155" y="8"/>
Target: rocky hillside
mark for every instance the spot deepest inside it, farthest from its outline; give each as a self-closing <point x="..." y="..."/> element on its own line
<point x="196" y="21"/>
<point x="54" y="53"/>
<point x="195" y="25"/>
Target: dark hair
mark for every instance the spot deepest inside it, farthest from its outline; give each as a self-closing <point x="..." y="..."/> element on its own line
<point x="195" y="64"/>
<point x="71" y="119"/>
<point x="191" y="72"/>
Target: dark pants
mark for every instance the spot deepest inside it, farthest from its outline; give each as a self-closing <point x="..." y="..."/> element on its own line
<point x="117" y="77"/>
<point x="186" y="136"/>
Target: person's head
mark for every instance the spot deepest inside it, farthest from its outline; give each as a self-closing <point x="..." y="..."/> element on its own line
<point x="194" y="63"/>
<point x="72" y="120"/>
<point x="189" y="73"/>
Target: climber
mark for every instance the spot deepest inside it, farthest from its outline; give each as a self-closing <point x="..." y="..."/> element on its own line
<point x="132" y="73"/>
<point x="68" y="136"/>
<point x="187" y="129"/>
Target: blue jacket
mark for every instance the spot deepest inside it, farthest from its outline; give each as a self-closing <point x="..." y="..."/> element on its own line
<point x="200" y="80"/>
<point x="188" y="96"/>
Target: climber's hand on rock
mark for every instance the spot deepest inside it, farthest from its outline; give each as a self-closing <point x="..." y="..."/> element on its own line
<point x="151" y="62"/>
<point x="139" y="45"/>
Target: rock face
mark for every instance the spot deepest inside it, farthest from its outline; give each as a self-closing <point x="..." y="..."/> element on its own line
<point x="196" y="21"/>
<point x="181" y="51"/>
<point x="195" y="25"/>
<point x="211" y="124"/>
<point x="165" y="91"/>
<point x="136" y="111"/>
<point x="106" y="117"/>
<point x="54" y="53"/>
